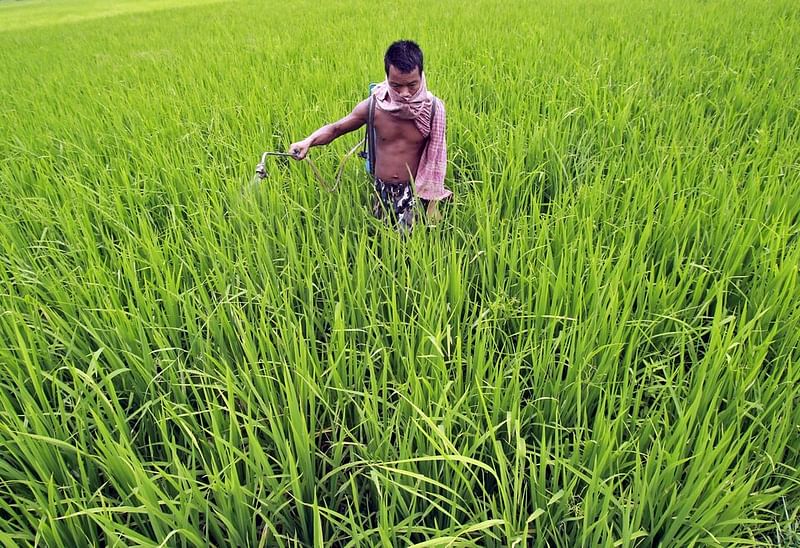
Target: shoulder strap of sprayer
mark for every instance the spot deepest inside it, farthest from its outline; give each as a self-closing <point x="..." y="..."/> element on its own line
<point x="368" y="150"/>
<point x="371" y="134"/>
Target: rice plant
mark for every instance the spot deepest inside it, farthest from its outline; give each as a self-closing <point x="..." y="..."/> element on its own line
<point x="598" y="345"/>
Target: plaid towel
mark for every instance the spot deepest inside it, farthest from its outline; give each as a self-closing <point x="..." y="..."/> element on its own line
<point x="429" y="181"/>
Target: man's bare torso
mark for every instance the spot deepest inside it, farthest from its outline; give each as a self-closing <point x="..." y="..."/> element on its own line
<point x="399" y="146"/>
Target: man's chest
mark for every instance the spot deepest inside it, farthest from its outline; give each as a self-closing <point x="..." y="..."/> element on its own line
<point x="391" y="129"/>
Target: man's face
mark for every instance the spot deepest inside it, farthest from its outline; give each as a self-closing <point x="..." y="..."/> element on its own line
<point x="404" y="84"/>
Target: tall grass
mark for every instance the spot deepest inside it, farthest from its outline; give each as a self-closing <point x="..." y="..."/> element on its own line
<point x="598" y="346"/>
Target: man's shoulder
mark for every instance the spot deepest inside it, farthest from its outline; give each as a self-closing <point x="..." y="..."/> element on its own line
<point x="361" y="110"/>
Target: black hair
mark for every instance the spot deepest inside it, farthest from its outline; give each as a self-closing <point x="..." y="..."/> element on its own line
<point x="405" y="55"/>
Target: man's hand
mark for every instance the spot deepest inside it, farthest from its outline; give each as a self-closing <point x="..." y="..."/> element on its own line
<point x="300" y="149"/>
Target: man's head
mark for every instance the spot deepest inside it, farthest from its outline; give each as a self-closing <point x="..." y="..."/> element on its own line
<point x="403" y="63"/>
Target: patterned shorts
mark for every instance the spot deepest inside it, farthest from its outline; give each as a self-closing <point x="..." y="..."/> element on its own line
<point x="395" y="203"/>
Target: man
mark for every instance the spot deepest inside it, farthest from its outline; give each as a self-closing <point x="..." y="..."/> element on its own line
<point x="410" y="145"/>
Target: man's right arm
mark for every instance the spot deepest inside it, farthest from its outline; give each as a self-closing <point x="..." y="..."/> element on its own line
<point x="329" y="132"/>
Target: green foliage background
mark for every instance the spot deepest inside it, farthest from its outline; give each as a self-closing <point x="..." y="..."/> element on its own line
<point x="598" y="345"/>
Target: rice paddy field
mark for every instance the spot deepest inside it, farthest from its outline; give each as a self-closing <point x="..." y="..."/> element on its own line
<point x="597" y="345"/>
